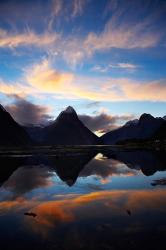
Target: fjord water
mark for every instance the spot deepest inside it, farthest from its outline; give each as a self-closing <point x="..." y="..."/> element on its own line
<point x="87" y="200"/>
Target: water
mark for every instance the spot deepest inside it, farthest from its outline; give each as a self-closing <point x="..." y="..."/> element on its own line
<point x="91" y="200"/>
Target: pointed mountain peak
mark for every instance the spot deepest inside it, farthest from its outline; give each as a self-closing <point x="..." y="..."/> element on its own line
<point x="146" y="117"/>
<point x="69" y="110"/>
<point x="68" y="113"/>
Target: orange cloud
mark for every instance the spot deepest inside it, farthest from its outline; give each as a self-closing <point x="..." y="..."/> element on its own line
<point x="46" y="79"/>
<point x="42" y="78"/>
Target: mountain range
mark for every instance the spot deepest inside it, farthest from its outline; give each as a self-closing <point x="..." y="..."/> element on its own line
<point x="145" y="127"/>
<point x="67" y="129"/>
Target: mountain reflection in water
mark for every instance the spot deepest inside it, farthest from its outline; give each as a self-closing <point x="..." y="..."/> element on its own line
<point x="83" y="201"/>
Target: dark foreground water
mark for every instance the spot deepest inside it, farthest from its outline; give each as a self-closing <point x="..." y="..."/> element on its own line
<point x="111" y="200"/>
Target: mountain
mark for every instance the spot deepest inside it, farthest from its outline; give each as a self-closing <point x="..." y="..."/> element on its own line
<point x="11" y="133"/>
<point x="160" y="134"/>
<point x="35" y="132"/>
<point x="67" y="129"/>
<point x="143" y="128"/>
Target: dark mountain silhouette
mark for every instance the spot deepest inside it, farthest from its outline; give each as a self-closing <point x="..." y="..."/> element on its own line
<point x="160" y="134"/>
<point x="143" y="128"/>
<point x="69" y="130"/>
<point x="11" y="133"/>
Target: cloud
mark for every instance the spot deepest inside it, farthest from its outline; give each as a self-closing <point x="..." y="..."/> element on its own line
<point x="25" y="112"/>
<point x="65" y="9"/>
<point x="15" y="88"/>
<point x="123" y="30"/>
<point x="105" y="69"/>
<point x="57" y="7"/>
<point x="118" y="89"/>
<point x="125" y="66"/>
<point x="73" y="8"/>
<point x="103" y="122"/>
<point x="78" y="7"/>
<point x="123" y="37"/>
<point x="121" y="89"/>
<point x="27" y="38"/>
<point x="75" y="49"/>
<point x="43" y="78"/>
<point x="100" y="69"/>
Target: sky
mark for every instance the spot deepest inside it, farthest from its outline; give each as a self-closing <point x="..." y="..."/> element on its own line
<point x="106" y="58"/>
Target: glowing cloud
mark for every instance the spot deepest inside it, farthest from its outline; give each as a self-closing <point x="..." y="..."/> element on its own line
<point x="44" y="78"/>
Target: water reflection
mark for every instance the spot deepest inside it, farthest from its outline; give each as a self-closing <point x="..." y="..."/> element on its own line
<point x="20" y="170"/>
<point x="105" y="167"/>
<point x="68" y="168"/>
<point x="148" y="161"/>
<point x="27" y="178"/>
<point x="83" y="201"/>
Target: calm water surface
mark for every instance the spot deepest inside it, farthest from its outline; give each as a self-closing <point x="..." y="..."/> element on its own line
<point x="83" y="201"/>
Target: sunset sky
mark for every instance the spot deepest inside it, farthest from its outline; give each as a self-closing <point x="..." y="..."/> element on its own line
<point x="106" y="58"/>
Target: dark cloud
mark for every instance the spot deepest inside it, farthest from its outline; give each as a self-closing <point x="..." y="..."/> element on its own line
<point x="25" y="112"/>
<point x="104" y="122"/>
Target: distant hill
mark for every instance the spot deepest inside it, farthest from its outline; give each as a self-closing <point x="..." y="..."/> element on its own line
<point x="140" y="129"/>
<point x="67" y="129"/>
<point x="11" y="133"/>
